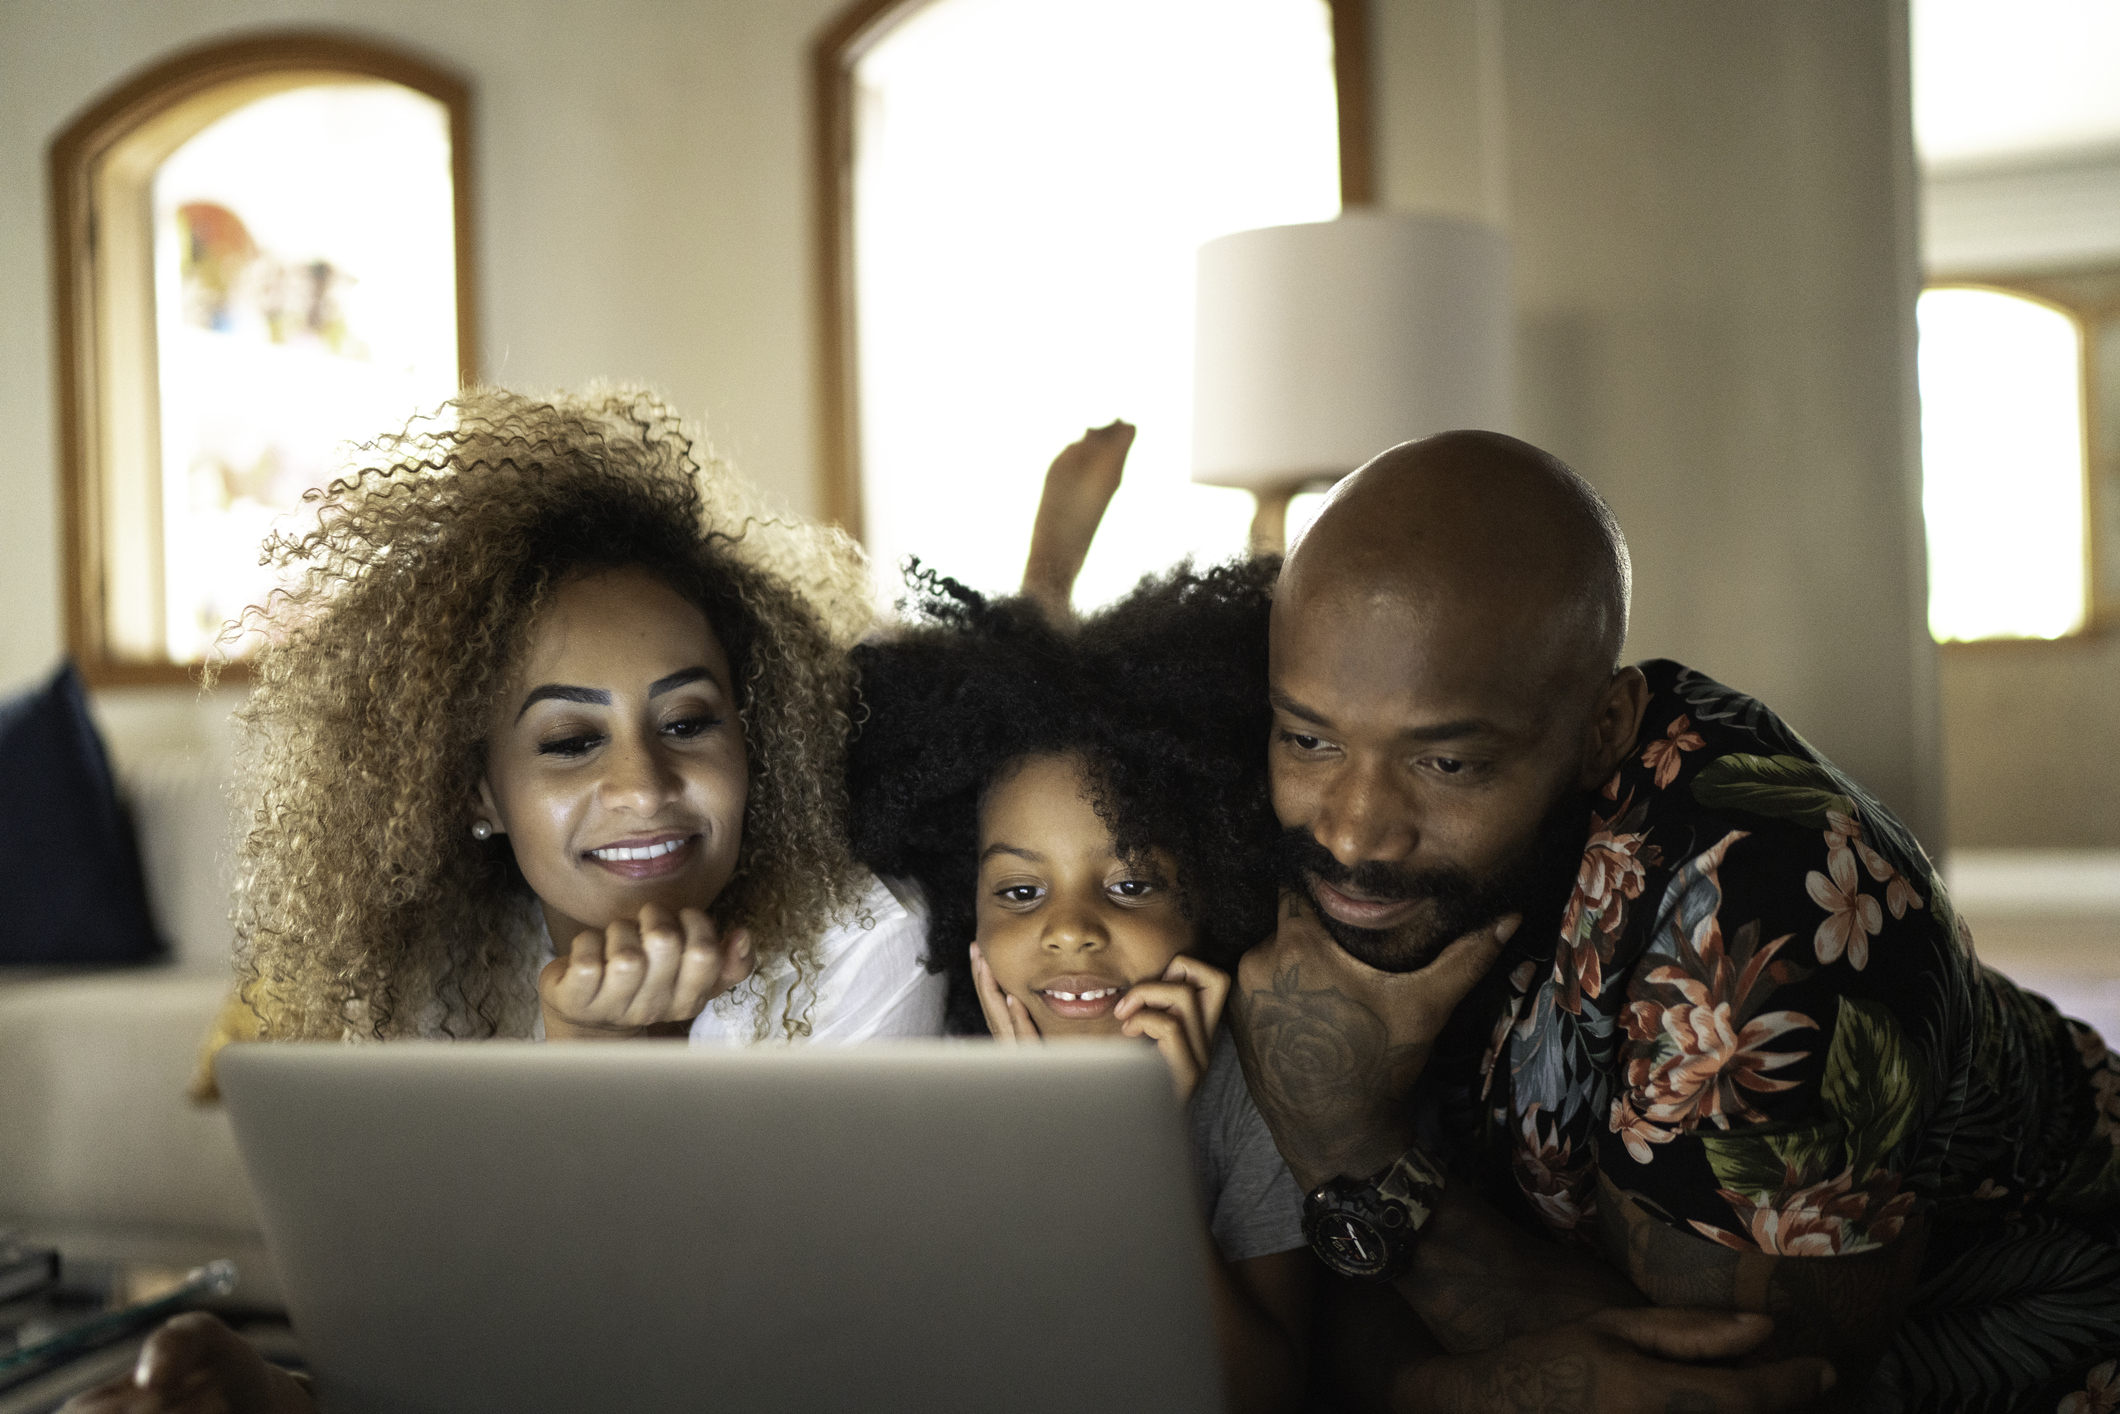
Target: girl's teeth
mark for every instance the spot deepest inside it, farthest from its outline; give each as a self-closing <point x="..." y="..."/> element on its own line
<point x="650" y="851"/>
<point x="1096" y="996"/>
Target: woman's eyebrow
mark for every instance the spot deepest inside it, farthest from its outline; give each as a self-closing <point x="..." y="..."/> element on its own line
<point x="596" y="696"/>
<point x="560" y="692"/>
<point x="679" y="679"/>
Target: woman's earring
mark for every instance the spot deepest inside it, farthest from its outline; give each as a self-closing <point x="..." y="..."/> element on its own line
<point x="481" y="830"/>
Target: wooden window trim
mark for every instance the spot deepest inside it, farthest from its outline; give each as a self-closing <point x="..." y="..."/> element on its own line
<point x="260" y="63"/>
<point x="839" y="47"/>
<point x="2091" y="298"/>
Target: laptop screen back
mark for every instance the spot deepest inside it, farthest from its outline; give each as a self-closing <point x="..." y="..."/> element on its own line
<point x="920" y="1225"/>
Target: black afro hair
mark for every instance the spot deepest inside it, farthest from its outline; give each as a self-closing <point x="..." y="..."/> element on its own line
<point x="1164" y="693"/>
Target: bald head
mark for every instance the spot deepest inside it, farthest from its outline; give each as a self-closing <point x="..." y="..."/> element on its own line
<point x="1445" y="690"/>
<point x="1483" y="529"/>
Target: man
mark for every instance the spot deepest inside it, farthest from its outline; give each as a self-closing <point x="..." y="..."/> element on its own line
<point x="1709" y="1035"/>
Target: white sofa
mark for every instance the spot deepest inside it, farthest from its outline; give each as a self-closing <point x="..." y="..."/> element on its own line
<point x="101" y="1151"/>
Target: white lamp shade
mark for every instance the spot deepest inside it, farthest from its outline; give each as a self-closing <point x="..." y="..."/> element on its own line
<point x="1320" y="345"/>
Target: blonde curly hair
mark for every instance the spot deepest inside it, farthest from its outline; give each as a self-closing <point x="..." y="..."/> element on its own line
<point x="364" y="906"/>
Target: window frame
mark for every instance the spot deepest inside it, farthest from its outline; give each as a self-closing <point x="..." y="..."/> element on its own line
<point x="2090" y="299"/>
<point x="90" y="325"/>
<point x="839" y="48"/>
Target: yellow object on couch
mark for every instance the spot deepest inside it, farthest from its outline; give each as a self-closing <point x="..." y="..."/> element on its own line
<point x="238" y="1020"/>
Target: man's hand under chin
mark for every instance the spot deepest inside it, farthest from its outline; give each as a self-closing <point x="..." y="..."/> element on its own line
<point x="1332" y="1046"/>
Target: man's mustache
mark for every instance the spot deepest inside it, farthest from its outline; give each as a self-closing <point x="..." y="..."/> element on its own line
<point x="1304" y="861"/>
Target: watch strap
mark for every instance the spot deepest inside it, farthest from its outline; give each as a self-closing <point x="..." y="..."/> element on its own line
<point x="1415" y="1179"/>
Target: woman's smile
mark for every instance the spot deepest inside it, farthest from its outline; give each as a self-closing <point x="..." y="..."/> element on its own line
<point x="652" y="856"/>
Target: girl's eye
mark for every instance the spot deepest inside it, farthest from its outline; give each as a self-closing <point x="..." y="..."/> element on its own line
<point x="578" y="745"/>
<point x="685" y="728"/>
<point x="1301" y="742"/>
<point x="1019" y="893"/>
<point x="1134" y="888"/>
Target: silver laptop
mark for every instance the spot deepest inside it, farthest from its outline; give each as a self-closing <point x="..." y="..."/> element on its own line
<point x="913" y="1225"/>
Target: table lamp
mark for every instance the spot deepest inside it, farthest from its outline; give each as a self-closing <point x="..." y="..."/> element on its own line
<point x="1318" y="346"/>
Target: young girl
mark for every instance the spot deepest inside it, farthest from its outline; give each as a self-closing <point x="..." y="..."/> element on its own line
<point x="1086" y="817"/>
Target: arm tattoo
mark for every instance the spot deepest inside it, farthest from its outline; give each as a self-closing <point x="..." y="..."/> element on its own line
<point x="1671" y="1268"/>
<point x="1320" y="1065"/>
<point x="1478" y="1279"/>
<point x="1843" y="1308"/>
<point x="1520" y="1384"/>
<point x="1690" y="1401"/>
<point x="1479" y="1282"/>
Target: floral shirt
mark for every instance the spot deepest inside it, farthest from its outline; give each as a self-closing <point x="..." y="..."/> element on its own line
<point x="1758" y="1015"/>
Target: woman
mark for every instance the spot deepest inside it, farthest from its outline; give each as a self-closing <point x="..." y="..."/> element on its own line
<point x="524" y="635"/>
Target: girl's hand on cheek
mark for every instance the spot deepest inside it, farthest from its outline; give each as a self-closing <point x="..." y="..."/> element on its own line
<point x="1005" y="1016"/>
<point x="615" y="984"/>
<point x="1179" y="1013"/>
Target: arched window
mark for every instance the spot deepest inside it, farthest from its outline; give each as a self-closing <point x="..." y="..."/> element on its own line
<point x="260" y="253"/>
<point x="2005" y="487"/>
<point x="1013" y="192"/>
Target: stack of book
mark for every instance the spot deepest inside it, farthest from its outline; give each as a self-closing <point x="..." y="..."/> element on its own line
<point x="53" y="1313"/>
<point x="25" y="1271"/>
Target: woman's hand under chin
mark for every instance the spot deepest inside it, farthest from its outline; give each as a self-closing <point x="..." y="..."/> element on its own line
<point x="631" y="977"/>
<point x="1178" y="1011"/>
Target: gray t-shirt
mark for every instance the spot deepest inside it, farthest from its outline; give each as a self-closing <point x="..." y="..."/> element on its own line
<point x="1254" y="1208"/>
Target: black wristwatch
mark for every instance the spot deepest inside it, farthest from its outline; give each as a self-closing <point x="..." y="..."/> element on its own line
<point x="1368" y="1227"/>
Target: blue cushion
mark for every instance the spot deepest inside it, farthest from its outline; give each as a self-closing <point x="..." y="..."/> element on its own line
<point x="70" y="884"/>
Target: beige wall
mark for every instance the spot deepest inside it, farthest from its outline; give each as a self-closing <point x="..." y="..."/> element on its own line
<point x="2032" y="743"/>
<point x="1712" y="211"/>
<point x="2032" y="730"/>
<point x="1712" y="206"/>
<point x="643" y="194"/>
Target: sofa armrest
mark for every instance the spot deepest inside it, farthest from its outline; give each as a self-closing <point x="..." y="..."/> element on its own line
<point x="99" y="1131"/>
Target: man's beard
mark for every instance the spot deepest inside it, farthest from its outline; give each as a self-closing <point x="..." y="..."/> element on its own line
<point x="1458" y="902"/>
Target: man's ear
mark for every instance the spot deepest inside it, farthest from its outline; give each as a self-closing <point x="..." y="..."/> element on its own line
<point x="1615" y="721"/>
<point x="485" y="809"/>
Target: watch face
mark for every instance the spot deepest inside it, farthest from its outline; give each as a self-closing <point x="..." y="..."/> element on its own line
<point x="1350" y="1244"/>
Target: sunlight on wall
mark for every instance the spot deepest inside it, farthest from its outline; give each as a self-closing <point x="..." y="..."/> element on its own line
<point x="2002" y="465"/>
<point x="1992" y="81"/>
<point x="1031" y="181"/>
<point x="305" y="291"/>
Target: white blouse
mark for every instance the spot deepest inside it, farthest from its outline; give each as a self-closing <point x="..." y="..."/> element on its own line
<point x="871" y="984"/>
